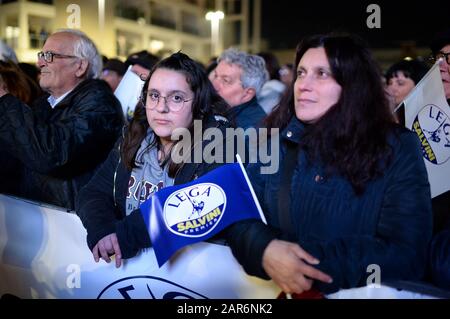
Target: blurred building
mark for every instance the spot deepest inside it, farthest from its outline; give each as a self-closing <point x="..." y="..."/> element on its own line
<point x="122" y="27"/>
<point x="385" y="57"/>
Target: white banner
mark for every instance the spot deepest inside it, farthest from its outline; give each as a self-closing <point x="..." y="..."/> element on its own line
<point x="428" y="114"/>
<point x="43" y="254"/>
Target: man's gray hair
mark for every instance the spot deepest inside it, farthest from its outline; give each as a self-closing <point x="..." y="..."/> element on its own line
<point x="254" y="73"/>
<point x="85" y="48"/>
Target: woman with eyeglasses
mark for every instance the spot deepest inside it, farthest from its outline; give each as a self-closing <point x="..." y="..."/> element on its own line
<point x="176" y="93"/>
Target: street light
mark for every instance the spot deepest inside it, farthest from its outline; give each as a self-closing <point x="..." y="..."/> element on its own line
<point x="101" y="14"/>
<point x="215" y="18"/>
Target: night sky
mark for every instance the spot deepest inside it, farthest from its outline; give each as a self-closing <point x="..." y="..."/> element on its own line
<point x="285" y="22"/>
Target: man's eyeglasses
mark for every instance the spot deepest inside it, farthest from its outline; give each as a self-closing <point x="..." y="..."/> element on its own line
<point x="439" y="55"/>
<point x="49" y="56"/>
<point x="174" y="101"/>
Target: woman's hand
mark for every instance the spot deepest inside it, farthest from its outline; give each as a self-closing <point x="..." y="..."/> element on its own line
<point x="289" y="267"/>
<point x="108" y="245"/>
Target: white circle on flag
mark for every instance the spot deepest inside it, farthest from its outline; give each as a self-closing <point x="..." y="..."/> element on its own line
<point x="432" y="126"/>
<point x="194" y="211"/>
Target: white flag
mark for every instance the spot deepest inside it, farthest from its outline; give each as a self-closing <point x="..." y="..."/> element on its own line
<point x="128" y="92"/>
<point x="428" y="114"/>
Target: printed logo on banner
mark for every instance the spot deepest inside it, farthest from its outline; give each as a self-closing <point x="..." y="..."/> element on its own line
<point x="432" y="126"/>
<point x="147" y="287"/>
<point x="194" y="211"/>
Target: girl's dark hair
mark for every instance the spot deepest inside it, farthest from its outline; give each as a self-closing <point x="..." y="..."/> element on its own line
<point x="206" y="103"/>
<point x="352" y="137"/>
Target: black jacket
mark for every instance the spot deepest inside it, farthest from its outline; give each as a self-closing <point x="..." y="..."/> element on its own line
<point x="49" y="154"/>
<point x="101" y="204"/>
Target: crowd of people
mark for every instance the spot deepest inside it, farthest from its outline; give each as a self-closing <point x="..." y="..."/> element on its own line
<point x="351" y="191"/>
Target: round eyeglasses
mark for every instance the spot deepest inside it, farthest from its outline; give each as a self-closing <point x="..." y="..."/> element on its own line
<point x="174" y="101"/>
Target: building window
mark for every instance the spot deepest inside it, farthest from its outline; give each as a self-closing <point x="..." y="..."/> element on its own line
<point x="39" y="30"/>
<point x="42" y="1"/>
<point x="127" y="43"/>
<point x="233" y="7"/>
<point x="37" y="37"/>
<point x="128" y="12"/>
<point x="162" y="15"/>
<point x="190" y="23"/>
<point x="12" y="36"/>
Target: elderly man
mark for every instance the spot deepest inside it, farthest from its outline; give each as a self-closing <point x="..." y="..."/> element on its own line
<point x="238" y="78"/>
<point x="51" y="148"/>
<point x="440" y="48"/>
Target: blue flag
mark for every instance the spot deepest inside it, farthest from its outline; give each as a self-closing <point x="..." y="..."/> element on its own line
<point x="181" y="215"/>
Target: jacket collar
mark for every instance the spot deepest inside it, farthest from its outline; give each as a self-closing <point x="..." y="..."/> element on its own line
<point x="80" y="87"/>
<point x="293" y="131"/>
<point x="238" y="108"/>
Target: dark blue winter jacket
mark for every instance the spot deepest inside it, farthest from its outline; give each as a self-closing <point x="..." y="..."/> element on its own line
<point x="389" y="225"/>
<point x="246" y="115"/>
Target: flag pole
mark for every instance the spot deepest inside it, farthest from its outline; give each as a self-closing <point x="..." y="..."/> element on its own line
<point x="261" y="214"/>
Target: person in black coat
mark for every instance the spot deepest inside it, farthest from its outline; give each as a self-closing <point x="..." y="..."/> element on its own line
<point x="177" y="95"/>
<point x="52" y="148"/>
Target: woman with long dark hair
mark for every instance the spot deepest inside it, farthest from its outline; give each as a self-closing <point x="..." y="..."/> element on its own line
<point x="351" y="194"/>
<point x="176" y="93"/>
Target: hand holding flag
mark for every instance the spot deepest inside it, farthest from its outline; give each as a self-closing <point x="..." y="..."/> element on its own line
<point x="181" y="215"/>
